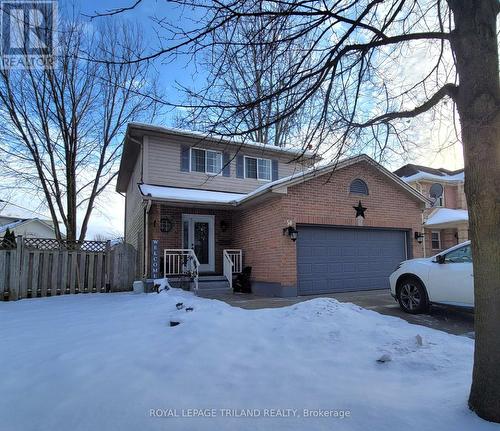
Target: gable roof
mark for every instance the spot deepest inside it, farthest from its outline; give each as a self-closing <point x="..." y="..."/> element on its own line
<point x="317" y="171"/>
<point x="410" y="173"/>
<point x="22" y="222"/>
<point x="10" y="226"/>
<point x="135" y="131"/>
<point x="235" y="199"/>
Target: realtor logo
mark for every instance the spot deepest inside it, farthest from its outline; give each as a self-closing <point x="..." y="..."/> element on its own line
<point x="28" y="34"/>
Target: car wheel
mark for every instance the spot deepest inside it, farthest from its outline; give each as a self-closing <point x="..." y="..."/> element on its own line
<point x="412" y="296"/>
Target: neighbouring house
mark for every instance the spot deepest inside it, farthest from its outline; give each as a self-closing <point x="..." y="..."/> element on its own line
<point x="303" y="228"/>
<point x="446" y="221"/>
<point x="22" y="224"/>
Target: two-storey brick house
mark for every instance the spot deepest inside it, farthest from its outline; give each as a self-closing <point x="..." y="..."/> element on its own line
<point x="222" y="204"/>
<point x="445" y="221"/>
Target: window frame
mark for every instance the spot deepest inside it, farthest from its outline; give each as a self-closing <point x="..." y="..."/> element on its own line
<point x="457" y="249"/>
<point x="257" y="168"/>
<point x="439" y="239"/>
<point x="357" y="193"/>
<point x="206" y="161"/>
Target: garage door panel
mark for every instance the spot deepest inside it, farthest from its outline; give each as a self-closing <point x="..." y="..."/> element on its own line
<point x="304" y="269"/>
<point x="341" y="259"/>
<point x="333" y="251"/>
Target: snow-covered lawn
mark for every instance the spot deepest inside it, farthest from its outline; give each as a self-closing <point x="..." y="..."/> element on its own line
<point x="105" y="361"/>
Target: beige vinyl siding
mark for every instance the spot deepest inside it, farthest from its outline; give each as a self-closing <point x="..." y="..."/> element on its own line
<point x="162" y="165"/>
<point x="134" y="215"/>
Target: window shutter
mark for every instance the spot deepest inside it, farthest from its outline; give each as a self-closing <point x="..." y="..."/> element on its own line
<point x="226" y="165"/>
<point x="239" y="166"/>
<point x="274" y="170"/>
<point x="184" y="158"/>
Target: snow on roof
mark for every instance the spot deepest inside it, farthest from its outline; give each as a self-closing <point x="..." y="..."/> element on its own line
<point x="206" y="196"/>
<point x="190" y="195"/>
<point x="433" y="177"/>
<point x="235" y="140"/>
<point x="10" y="226"/>
<point x="20" y="222"/>
<point x="444" y="216"/>
<point x="9" y="210"/>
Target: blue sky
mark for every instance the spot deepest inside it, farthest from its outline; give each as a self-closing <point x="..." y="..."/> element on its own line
<point x="108" y="218"/>
<point x="181" y="70"/>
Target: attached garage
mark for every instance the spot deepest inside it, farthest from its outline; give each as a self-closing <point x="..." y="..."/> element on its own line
<point x="340" y="259"/>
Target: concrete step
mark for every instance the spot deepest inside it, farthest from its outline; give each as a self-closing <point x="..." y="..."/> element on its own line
<point x="211" y="278"/>
<point x="211" y="285"/>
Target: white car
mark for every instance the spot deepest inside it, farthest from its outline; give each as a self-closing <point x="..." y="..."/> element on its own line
<point x="446" y="278"/>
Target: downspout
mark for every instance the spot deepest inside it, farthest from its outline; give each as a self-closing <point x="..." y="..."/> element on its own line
<point x="146" y="240"/>
<point x="423" y="219"/>
<point x="423" y="233"/>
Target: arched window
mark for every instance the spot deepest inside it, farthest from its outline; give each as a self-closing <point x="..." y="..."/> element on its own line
<point x="359" y="187"/>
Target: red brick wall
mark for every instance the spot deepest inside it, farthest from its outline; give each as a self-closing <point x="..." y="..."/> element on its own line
<point x="454" y="196"/>
<point x="173" y="239"/>
<point x="258" y="229"/>
<point x="324" y="200"/>
<point x="448" y="239"/>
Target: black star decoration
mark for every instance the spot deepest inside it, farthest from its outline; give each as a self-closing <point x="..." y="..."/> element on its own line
<point x="360" y="210"/>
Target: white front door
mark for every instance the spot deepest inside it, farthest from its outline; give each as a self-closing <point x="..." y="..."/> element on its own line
<point x="198" y="234"/>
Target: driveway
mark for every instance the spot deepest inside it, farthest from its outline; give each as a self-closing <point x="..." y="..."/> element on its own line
<point x="453" y="321"/>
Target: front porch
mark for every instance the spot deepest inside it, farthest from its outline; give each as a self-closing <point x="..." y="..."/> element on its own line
<point x="193" y="243"/>
<point x="444" y="228"/>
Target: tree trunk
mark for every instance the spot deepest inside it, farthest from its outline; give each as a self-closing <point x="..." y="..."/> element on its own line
<point x="474" y="42"/>
<point x="70" y="199"/>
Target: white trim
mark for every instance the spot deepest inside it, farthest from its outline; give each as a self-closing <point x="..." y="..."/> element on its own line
<point x="210" y="267"/>
<point x="257" y="168"/>
<point x="238" y="142"/>
<point x="439" y="239"/>
<point x="280" y="185"/>
<point x="206" y="150"/>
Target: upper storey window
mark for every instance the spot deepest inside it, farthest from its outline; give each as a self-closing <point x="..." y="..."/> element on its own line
<point x="256" y="168"/>
<point x="206" y="161"/>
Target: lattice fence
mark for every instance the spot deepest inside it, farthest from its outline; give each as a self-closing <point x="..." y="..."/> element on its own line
<point x="38" y="267"/>
<point x="64" y="245"/>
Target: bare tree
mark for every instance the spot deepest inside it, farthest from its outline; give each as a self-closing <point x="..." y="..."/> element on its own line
<point x="364" y="62"/>
<point x="61" y="127"/>
<point x="245" y="76"/>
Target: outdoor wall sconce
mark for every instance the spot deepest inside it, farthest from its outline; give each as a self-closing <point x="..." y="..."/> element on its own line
<point x="291" y="232"/>
<point x="419" y="237"/>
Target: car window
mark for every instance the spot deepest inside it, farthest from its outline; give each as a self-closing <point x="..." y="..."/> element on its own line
<point x="460" y="255"/>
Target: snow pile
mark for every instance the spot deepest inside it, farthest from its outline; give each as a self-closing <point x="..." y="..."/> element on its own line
<point x="114" y="362"/>
<point x="444" y="216"/>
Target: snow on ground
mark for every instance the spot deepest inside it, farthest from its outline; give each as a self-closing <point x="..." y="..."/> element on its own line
<point x="104" y="361"/>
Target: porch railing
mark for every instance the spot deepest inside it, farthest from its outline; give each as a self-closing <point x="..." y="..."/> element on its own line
<point x="179" y="262"/>
<point x="232" y="264"/>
